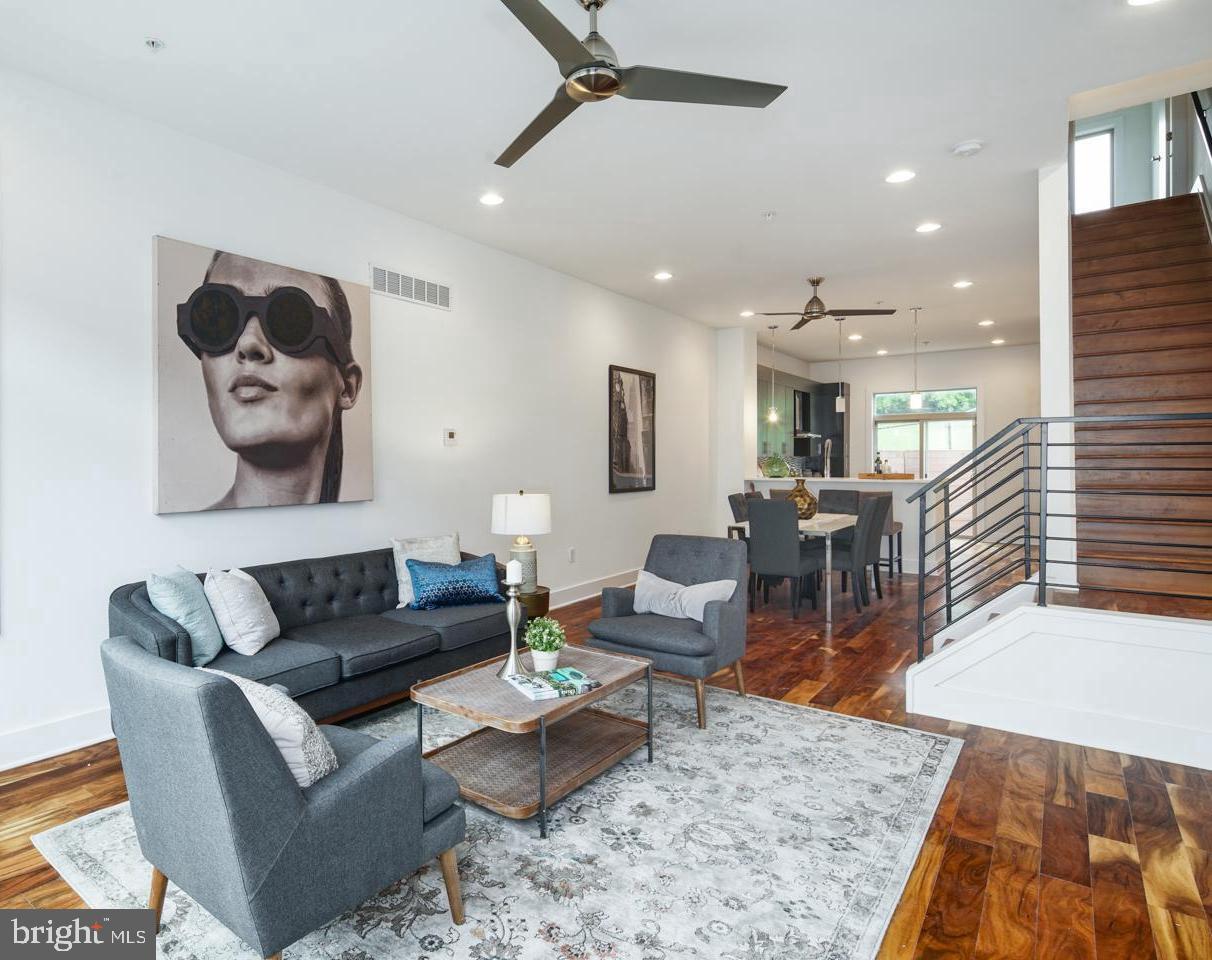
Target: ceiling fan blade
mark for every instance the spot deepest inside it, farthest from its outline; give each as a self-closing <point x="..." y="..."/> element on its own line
<point x="797" y="313"/>
<point x="803" y="321"/>
<point x="654" y="83"/>
<point x="551" y="117"/>
<point x="860" y="313"/>
<point x="556" y="38"/>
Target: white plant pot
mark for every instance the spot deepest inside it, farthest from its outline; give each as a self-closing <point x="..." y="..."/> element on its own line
<point x="544" y="660"/>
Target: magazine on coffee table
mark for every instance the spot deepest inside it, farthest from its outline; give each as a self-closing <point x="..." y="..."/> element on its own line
<point x="553" y="684"/>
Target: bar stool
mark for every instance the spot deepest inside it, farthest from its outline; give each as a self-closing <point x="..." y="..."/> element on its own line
<point x="894" y="530"/>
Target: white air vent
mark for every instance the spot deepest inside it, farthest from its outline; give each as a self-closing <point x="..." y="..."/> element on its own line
<point x="413" y="289"/>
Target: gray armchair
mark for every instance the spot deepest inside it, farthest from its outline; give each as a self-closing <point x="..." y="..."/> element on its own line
<point x="683" y="647"/>
<point x="218" y="812"/>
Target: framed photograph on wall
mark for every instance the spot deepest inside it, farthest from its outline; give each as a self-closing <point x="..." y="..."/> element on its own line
<point x="262" y="383"/>
<point x="632" y="430"/>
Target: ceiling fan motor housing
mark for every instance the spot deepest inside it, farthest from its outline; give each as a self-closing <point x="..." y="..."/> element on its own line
<point x="591" y="84"/>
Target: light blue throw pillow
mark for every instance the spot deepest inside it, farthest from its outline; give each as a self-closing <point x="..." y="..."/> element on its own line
<point x="180" y="595"/>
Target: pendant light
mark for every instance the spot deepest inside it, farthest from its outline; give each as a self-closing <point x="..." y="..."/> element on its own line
<point x="839" y="405"/>
<point x="915" y="398"/>
<point x="772" y="415"/>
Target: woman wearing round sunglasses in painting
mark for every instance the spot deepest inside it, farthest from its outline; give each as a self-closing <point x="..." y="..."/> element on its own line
<point x="274" y="344"/>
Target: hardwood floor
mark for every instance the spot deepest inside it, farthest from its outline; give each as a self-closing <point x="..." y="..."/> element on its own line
<point x="1038" y="849"/>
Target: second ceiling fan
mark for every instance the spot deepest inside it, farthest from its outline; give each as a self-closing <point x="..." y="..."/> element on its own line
<point x="815" y="309"/>
<point x="592" y="73"/>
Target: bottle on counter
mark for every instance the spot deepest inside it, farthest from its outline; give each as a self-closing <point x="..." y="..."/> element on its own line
<point x="879" y="464"/>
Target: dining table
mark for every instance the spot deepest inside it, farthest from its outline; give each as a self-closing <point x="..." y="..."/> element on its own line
<point x="821" y="525"/>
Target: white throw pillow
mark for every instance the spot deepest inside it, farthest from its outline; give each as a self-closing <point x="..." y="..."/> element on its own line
<point x="303" y="746"/>
<point x="669" y="599"/>
<point x="246" y="619"/>
<point x="443" y="549"/>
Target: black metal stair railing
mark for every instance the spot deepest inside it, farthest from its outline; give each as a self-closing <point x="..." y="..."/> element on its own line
<point x="987" y="522"/>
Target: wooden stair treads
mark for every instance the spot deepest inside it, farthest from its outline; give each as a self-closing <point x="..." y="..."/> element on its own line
<point x="1142" y="344"/>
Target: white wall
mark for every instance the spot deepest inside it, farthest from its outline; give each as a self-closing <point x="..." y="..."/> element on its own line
<point x="735" y="440"/>
<point x="518" y="368"/>
<point x="1006" y="379"/>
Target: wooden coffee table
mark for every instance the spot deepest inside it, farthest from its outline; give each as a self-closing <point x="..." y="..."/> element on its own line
<point x="528" y="754"/>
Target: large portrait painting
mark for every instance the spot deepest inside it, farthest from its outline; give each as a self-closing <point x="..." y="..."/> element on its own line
<point x="262" y="383"/>
<point x="632" y="430"/>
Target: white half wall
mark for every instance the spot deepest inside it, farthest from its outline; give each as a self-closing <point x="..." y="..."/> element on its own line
<point x="518" y="368"/>
<point x="1056" y="361"/>
<point x="1006" y="381"/>
<point x="1125" y="682"/>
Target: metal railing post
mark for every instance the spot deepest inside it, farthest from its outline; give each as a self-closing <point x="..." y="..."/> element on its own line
<point x="1027" y="502"/>
<point x="947" y="548"/>
<point x="921" y="579"/>
<point x="1043" y="514"/>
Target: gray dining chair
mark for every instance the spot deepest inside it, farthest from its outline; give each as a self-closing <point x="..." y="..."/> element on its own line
<point x="776" y="551"/>
<point x="862" y="553"/>
<point x="217" y="811"/>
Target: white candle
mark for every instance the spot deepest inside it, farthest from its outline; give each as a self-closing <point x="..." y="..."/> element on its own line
<point x="513" y="573"/>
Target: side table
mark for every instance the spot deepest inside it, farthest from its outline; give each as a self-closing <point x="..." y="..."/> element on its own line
<point x="536" y="604"/>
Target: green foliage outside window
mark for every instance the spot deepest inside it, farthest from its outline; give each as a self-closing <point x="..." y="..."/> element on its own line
<point x="933" y="401"/>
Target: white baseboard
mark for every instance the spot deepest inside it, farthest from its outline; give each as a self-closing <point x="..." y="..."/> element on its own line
<point x="1125" y="682"/>
<point x="564" y="596"/>
<point x="30" y="744"/>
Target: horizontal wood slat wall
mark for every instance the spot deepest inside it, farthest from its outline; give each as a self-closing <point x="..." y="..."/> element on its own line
<point x="1142" y="343"/>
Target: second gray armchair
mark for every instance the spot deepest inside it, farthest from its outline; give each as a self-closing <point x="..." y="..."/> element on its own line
<point x="684" y="647"/>
<point x="217" y="811"/>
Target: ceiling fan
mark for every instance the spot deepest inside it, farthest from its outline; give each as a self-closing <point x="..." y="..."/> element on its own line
<point x="814" y="309"/>
<point x="592" y="73"/>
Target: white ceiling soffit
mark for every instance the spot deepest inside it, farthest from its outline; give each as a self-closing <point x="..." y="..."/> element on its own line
<point x="624" y="188"/>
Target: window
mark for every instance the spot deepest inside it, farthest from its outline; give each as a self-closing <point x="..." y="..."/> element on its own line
<point x="925" y="442"/>
<point x="1092" y="172"/>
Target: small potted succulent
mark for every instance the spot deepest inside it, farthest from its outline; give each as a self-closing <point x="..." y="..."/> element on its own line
<point x="545" y="637"/>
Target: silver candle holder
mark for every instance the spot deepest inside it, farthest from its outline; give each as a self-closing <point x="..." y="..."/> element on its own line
<point x="513" y="613"/>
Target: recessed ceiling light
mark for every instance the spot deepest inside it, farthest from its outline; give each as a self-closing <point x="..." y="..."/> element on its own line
<point x="153" y="43"/>
<point x="881" y="353"/>
<point x="855" y="336"/>
<point x="662" y="275"/>
<point x="986" y="323"/>
<point x="746" y="314"/>
<point x="962" y="284"/>
<point x="998" y="342"/>
<point x="929" y="227"/>
<point x="491" y="199"/>
<point x="900" y="176"/>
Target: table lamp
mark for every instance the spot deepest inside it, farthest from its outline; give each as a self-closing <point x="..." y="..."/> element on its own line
<point x="522" y="515"/>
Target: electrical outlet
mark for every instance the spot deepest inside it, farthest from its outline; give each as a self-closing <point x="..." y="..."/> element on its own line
<point x="450" y="437"/>
<point x="572" y="554"/>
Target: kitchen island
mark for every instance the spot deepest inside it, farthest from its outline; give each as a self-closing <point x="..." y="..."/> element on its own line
<point x="905" y="512"/>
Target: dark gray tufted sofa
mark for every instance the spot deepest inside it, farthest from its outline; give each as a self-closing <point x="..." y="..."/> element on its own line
<point x="343" y="644"/>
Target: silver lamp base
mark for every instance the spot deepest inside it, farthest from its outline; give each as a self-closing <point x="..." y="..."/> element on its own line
<point x="513" y="614"/>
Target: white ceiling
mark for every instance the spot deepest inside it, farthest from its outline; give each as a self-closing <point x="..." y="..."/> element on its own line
<point x="406" y="103"/>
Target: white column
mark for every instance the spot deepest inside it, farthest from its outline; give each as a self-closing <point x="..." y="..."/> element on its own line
<point x="735" y="435"/>
<point x="1056" y="354"/>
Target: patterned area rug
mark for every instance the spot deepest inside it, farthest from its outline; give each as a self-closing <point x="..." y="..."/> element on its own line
<point x="779" y="833"/>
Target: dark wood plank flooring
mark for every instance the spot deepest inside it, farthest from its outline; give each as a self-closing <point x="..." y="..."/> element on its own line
<point x="1039" y="849"/>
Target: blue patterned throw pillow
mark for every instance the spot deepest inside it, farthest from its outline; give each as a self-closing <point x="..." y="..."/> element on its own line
<point x="437" y="585"/>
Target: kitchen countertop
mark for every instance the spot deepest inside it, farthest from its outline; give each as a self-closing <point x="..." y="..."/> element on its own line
<point x="916" y="482"/>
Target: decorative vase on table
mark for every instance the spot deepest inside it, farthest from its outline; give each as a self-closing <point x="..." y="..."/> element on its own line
<point x="802" y="497"/>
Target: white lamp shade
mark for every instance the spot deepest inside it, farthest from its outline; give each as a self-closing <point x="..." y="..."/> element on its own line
<point x="521" y="514"/>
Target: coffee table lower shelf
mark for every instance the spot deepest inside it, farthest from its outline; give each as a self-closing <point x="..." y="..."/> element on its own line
<point x="503" y="771"/>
